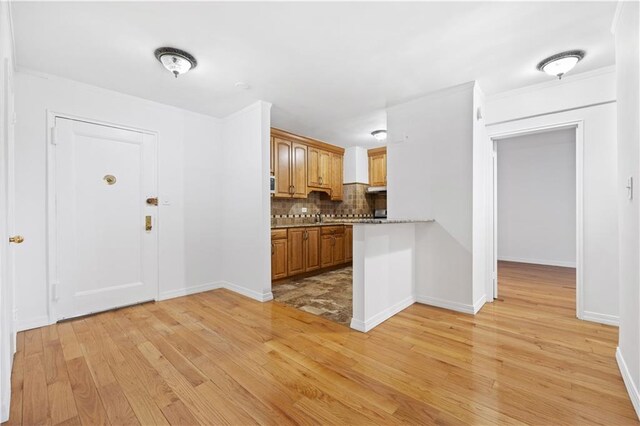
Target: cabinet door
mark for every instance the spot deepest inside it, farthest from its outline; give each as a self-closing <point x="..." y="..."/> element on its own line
<point x="295" y="243"/>
<point x="336" y="177"/>
<point x="348" y="243"/>
<point x="282" y="167"/>
<point x="278" y="259"/>
<point x="338" y="249"/>
<point x="313" y="167"/>
<point x="324" y="165"/>
<point x="378" y="170"/>
<point x="312" y="249"/>
<point x="326" y="251"/>
<point x="299" y="170"/>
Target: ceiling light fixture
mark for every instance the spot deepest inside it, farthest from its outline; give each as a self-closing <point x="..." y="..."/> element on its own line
<point x="380" y="135"/>
<point x="561" y="63"/>
<point x="175" y="60"/>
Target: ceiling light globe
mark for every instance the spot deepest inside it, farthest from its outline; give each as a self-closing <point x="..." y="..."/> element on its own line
<point x="380" y="135"/>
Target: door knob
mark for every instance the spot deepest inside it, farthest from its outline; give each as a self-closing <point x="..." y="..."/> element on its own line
<point x="18" y="239"/>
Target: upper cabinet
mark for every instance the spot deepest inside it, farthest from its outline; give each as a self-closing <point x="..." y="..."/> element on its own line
<point x="378" y="166"/>
<point x="290" y="168"/>
<point x="302" y="165"/>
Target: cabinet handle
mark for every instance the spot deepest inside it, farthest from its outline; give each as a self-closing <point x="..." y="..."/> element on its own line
<point x="273" y="251"/>
<point x="306" y="235"/>
<point x="320" y="180"/>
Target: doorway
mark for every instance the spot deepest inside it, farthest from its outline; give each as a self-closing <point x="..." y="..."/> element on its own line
<point x="103" y="249"/>
<point x="537" y="202"/>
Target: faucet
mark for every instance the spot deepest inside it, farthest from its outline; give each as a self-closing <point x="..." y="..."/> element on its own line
<point x="318" y="218"/>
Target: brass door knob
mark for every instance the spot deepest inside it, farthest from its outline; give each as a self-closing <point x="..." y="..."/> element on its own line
<point x="18" y="239"/>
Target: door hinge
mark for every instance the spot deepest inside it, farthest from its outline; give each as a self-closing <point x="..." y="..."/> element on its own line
<point x="54" y="291"/>
<point x="54" y="136"/>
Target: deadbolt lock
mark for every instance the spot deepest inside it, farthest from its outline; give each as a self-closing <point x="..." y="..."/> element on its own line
<point x="152" y="201"/>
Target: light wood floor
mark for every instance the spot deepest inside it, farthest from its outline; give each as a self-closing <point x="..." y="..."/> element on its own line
<point x="218" y="357"/>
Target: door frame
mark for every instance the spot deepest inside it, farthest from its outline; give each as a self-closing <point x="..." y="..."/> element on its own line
<point x="522" y="130"/>
<point x="50" y="191"/>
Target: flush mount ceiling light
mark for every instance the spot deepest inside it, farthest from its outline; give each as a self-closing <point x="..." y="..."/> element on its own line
<point x="561" y="63"/>
<point x="175" y="60"/>
<point x="380" y="135"/>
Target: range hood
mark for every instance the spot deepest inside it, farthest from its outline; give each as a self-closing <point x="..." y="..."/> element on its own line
<point x="377" y="189"/>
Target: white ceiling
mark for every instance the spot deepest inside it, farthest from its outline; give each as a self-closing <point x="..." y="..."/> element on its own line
<point x="328" y="68"/>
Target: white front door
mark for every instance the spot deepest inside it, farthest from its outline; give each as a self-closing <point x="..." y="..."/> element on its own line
<point x="106" y="237"/>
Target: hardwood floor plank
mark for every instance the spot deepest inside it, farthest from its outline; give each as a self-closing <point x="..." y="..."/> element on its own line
<point x="88" y="402"/>
<point x="35" y="402"/>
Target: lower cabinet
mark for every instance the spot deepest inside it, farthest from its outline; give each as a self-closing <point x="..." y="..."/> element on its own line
<point x="300" y="250"/>
<point x="279" y="254"/>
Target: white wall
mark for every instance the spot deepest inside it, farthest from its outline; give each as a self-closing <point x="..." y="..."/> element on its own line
<point x="537" y="198"/>
<point x="628" y="92"/>
<point x="356" y="165"/>
<point x="7" y="329"/>
<point x="572" y="91"/>
<point x="245" y="202"/>
<point x="35" y="95"/>
<point x="430" y="160"/>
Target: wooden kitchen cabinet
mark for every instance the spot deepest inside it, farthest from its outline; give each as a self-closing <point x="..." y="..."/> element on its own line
<point x="348" y="243"/>
<point x="297" y="252"/>
<point x="271" y="157"/>
<point x="336" y="176"/>
<point x="319" y="168"/>
<point x="304" y="250"/>
<point x="302" y="165"/>
<point x="378" y="166"/>
<point x="332" y="246"/>
<point x="313" y="249"/>
<point x="279" y="254"/>
<point x="290" y="169"/>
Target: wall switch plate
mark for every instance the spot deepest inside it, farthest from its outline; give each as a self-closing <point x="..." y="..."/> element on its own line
<point x="304" y="210"/>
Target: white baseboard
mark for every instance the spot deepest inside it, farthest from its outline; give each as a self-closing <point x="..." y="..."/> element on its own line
<point x="216" y="285"/>
<point x="448" y="304"/>
<point x="255" y="295"/>
<point x="601" y="318"/>
<point x="190" y="290"/>
<point x="28" y="324"/>
<point x="632" y="390"/>
<point x="478" y="304"/>
<point x="538" y="261"/>
<point x="381" y="317"/>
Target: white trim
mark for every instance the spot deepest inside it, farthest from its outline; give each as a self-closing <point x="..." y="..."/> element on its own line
<point x="448" y="304"/>
<point x="255" y="295"/>
<point x="601" y="318"/>
<point x="478" y="304"/>
<point x="578" y="125"/>
<point x="548" y="262"/>
<point x="41" y="321"/>
<point x="166" y="295"/>
<point x="616" y="16"/>
<point x="632" y="390"/>
<point x="380" y="317"/>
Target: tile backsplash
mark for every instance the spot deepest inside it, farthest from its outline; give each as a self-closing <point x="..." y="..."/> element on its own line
<point x="356" y="203"/>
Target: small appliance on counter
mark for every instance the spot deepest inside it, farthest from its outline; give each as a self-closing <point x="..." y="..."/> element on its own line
<point x="272" y="184"/>
<point x="380" y="213"/>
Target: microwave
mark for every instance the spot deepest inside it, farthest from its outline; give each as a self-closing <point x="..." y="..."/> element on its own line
<point x="272" y="184"/>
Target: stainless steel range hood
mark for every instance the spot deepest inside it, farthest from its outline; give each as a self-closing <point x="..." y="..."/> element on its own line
<point x="377" y="189"/>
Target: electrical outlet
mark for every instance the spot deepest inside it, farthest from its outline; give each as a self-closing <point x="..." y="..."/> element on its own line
<point x="304" y="210"/>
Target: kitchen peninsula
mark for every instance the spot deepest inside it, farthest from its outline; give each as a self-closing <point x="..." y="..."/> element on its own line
<point x="385" y="258"/>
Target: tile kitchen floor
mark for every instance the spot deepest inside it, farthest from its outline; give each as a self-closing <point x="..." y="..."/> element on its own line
<point x="328" y="295"/>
